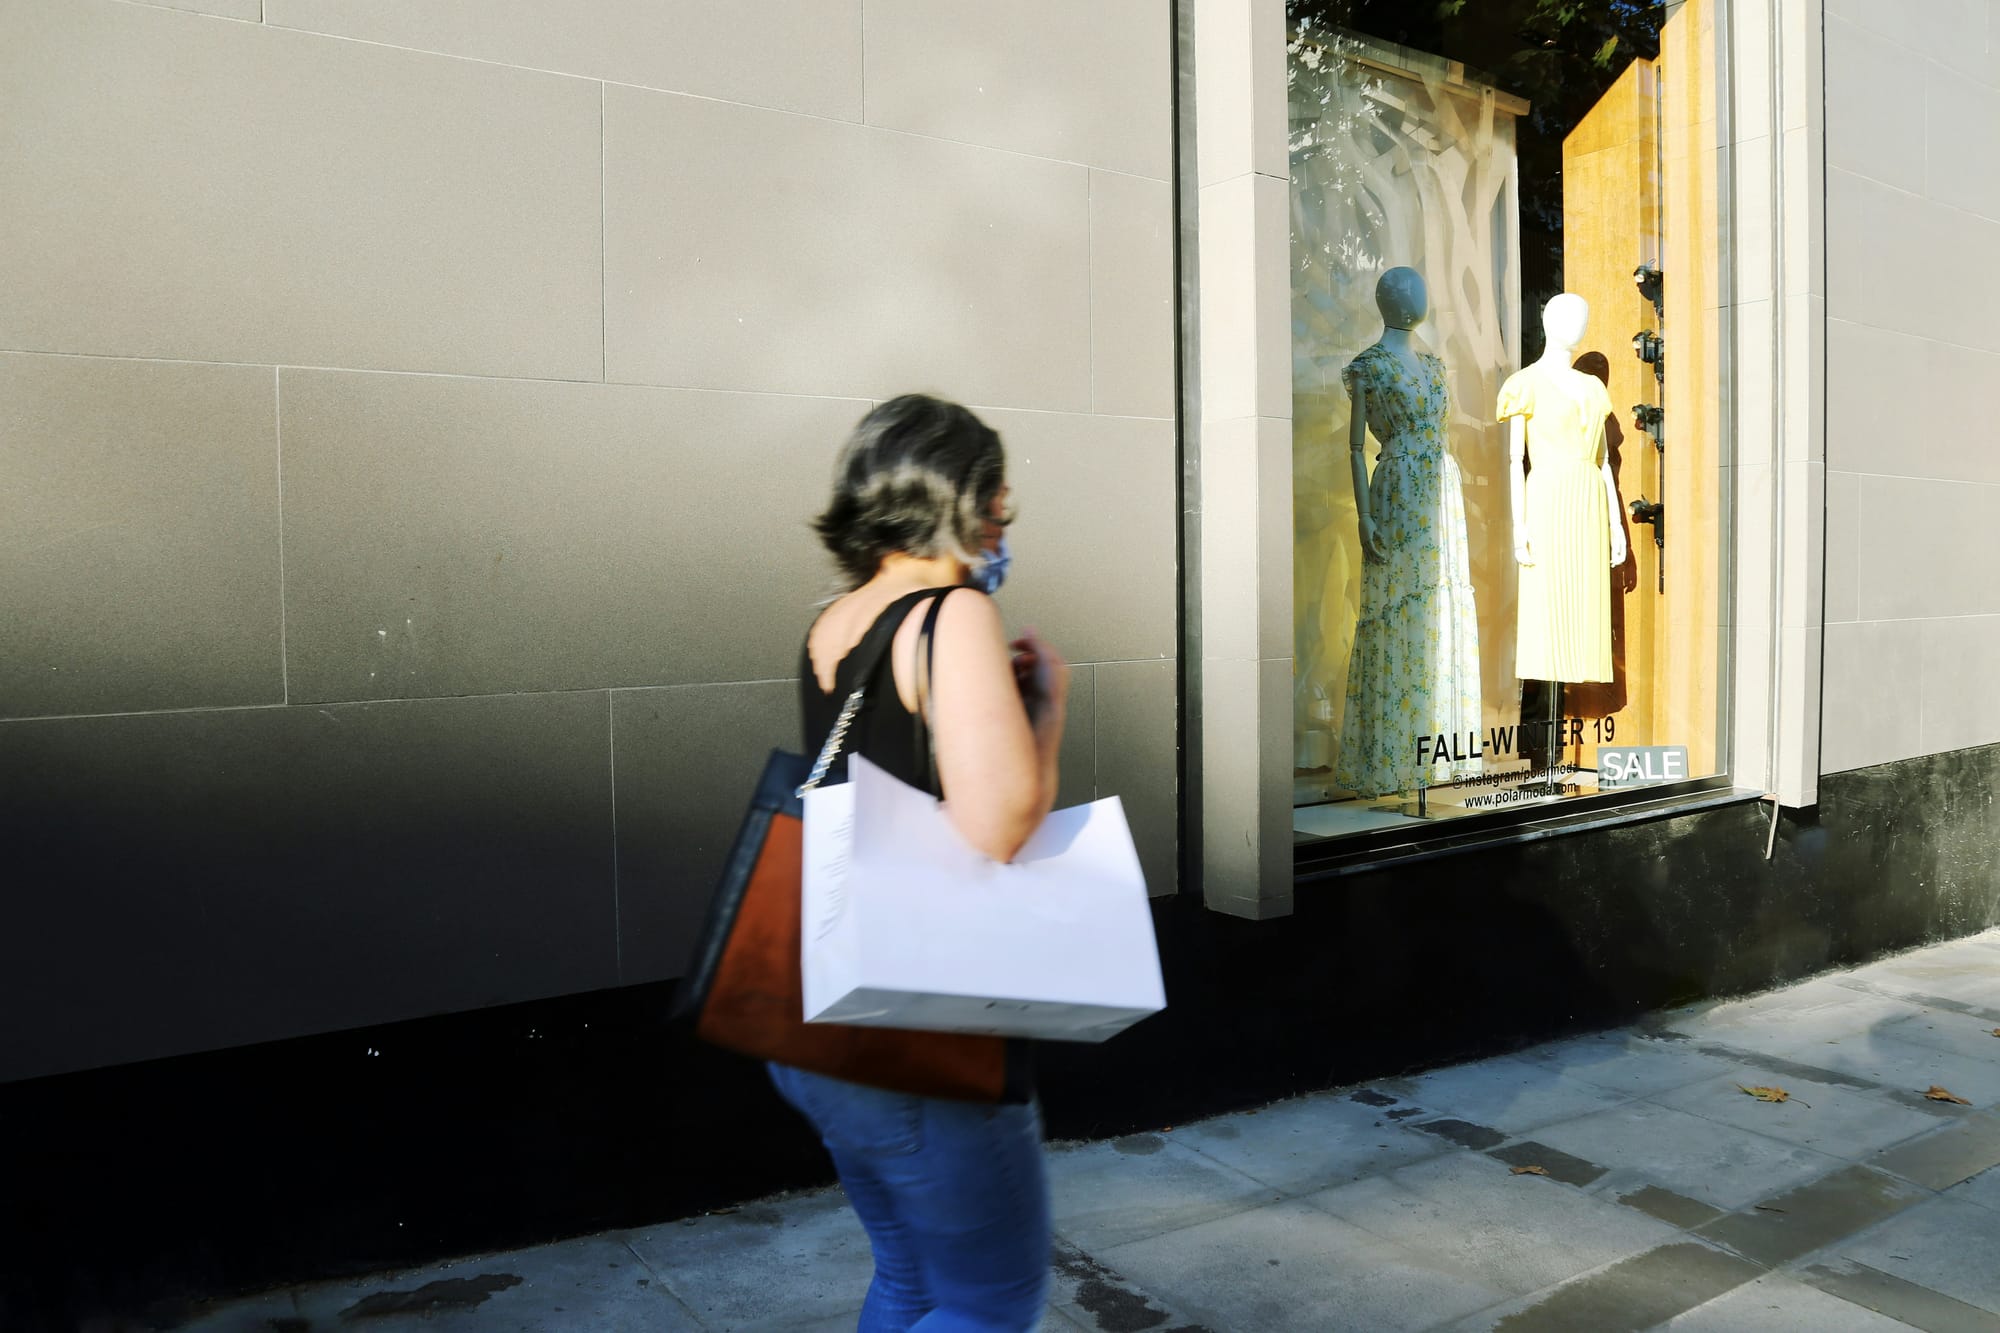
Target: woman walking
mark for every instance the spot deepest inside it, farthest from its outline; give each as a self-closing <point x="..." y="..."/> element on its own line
<point x="953" y="1194"/>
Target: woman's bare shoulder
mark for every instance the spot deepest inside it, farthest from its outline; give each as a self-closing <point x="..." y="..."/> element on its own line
<point x="969" y="620"/>
<point x="965" y="616"/>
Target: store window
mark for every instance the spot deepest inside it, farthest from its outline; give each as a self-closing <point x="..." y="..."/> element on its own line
<point x="1509" y="468"/>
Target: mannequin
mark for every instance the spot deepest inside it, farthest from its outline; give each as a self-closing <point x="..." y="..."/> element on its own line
<point x="1567" y="533"/>
<point x="1404" y="301"/>
<point x="1413" y="680"/>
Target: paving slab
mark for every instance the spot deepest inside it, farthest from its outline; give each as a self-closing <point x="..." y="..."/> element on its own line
<point x="1471" y="1213"/>
<point x="1956" y="971"/>
<point x="253" y="1314"/>
<point x="1780" y="1304"/>
<point x="1092" y="1296"/>
<point x="1106" y="1194"/>
<point x="1717" y="1164"/>
<point x="1945" y="1030"/>
<point x="1550" y="1162"/>
<point x="1948" y="1245"/>
<point x="1055" y="1321"/>
<point x="1919" y="1307"/>
<point x="1507" y="1093"/>
<point x="844" y="1323"/>
<point x="1636" y="1293"/>
<point x="1841" y="1121"/>
<point x="1305" y="1144"/>
<point x="1813" y="1011"/>
<point x="1817" y="1214"/>
<point x="1903" y="1066"/>
<point x="1628" y="1061"/>
<point x="781" y="1262"/>
<point x="1983" y="1189"/>
<point x="1461" y="1132"/>
<point x="1658" y="1201"/>
<point x="595" y="1283"/>
<point x="1948" y="1155"/>
<point x="1292" y="1266"/>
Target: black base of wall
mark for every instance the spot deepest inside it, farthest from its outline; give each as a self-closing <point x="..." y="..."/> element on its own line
<point x="139" y="1189"/>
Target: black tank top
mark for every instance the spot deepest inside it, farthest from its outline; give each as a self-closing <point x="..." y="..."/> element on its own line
<point x="893" y="738"/>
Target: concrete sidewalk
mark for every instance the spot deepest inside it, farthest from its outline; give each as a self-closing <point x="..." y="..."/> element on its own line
<point x="1619" y="1181"/>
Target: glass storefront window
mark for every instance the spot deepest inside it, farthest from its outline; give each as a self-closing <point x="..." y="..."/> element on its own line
<point x="1508" y="458"/>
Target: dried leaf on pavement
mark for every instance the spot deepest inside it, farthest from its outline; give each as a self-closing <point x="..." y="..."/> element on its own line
<point x="1769" y="1094"/>
<point x="1937" y="1094"/>
<point x="1996" y="1032"/>
<point x="1530" y="1171"/>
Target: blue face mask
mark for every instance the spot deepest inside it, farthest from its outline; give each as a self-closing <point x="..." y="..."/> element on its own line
<point x="991" y="571"/>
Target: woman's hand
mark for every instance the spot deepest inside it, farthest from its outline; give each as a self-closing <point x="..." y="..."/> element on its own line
<point x="1524" y="554"/>
<point x="1041" y="674"/>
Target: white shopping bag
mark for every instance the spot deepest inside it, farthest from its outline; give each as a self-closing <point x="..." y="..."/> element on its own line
<point x="904" y="925"/>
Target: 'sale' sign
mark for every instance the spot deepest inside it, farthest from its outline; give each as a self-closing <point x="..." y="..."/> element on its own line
<point x="1639" y="765"/>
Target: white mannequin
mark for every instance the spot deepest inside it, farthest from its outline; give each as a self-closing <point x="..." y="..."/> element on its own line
<point x="1404" y="301"/>
<point x="1564" y="320"/>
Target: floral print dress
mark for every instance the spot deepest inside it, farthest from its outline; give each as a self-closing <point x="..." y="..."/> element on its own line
<point x="1414" y="675"/>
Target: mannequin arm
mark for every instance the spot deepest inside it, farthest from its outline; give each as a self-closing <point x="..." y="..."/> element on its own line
<point x="1517" y="481"/>
<point x="1618" y="551"/>
<point x="1357" y="455"/>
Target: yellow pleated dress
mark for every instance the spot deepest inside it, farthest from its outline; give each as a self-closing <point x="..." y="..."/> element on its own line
<point x="1565" y="596"/>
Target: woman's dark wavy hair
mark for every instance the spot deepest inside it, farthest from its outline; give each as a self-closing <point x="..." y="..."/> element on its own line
<point x="917" y="476"/>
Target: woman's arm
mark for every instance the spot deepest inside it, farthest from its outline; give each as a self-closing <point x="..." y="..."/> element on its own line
<point x="996" y="760"/>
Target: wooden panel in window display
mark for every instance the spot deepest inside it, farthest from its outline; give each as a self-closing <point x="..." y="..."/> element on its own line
<point x="1396" y="159"/>
<point x="1640" y="186"/>
<point x="1610" y="227"/>
<point x="1687" y="665"/>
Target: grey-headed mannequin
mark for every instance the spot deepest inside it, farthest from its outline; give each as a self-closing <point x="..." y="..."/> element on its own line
<point x="1404" y="301"/>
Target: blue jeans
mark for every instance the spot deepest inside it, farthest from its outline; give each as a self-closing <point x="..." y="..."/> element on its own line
<point x="954" y="1199"/>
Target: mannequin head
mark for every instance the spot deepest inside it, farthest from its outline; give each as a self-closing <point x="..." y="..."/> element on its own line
<point x="1402" y="298"/>
<point x="1564" y="320"/>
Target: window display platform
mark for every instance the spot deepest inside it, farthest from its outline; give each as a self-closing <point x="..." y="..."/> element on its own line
<point x="1322" y="810"/>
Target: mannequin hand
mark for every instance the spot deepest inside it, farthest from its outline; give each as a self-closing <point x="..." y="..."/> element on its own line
<point x="1524" y="554"/>
<point x="1371" y="543"/>
<point x="1618" y="551"/>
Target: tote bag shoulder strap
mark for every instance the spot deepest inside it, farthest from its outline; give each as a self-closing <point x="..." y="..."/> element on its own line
<point x="868" y="657"/>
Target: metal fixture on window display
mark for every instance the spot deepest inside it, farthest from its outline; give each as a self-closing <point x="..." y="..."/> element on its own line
<point x="1651" y="348"/>
<point x="1652" y="420"/>
<point x="1651" y="286"/>
<point x="1655" y="513"/>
